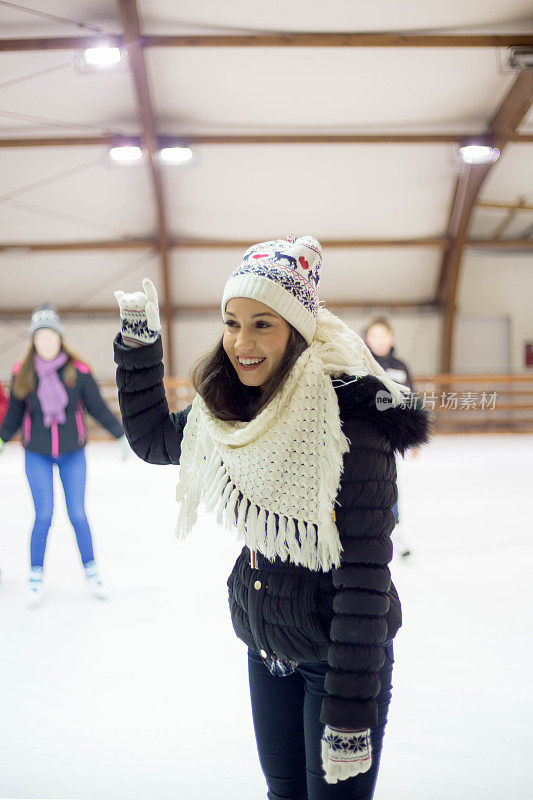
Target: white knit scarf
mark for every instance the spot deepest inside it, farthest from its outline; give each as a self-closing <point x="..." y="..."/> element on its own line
<point x="286" y="462"/>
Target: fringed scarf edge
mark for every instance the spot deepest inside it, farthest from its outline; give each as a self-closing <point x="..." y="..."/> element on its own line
<point x="319" y="546"/>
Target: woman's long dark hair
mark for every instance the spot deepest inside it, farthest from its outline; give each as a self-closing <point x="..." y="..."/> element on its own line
<point x="215" y="379"/>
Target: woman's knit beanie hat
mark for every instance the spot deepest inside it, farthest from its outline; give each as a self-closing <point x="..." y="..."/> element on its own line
<point x="283" y="274"/>
<point x="46" y="316"/>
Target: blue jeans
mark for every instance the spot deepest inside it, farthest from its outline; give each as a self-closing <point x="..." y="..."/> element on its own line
<point x="72" y="471"/>
<point x="288" y="731"/>
<point x="395" y="512"/>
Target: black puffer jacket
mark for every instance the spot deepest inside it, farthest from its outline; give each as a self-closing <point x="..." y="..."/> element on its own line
<point x="395" y="369"/>
<point x="344" y="616"/>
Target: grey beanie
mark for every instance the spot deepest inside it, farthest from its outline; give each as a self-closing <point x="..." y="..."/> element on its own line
<point x="46" y="316"/>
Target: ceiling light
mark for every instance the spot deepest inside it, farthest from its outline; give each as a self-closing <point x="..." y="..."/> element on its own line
<point x="125" y="154"/>
<point x="16" y="250"/>
<point x="521" y="57"/>
<point x="175" y="155"/>
<point x="103" y="56"/>
<point x="478" y="153"/>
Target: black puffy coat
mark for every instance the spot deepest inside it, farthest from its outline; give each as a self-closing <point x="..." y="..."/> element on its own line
<point x="395" y="369"/>
<point x="343" y="616"/>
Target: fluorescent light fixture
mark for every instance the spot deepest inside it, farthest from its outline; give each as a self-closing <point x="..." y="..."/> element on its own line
<point x="175" y="155"/>
<point x="478" y="153"/>
<point x="125" y="154"/>
<point x="103" y="56"/>
<point x="521" y="57"/>
<point x="16" y="250"/>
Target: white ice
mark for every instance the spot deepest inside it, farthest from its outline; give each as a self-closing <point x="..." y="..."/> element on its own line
<point x="145" y="695"/>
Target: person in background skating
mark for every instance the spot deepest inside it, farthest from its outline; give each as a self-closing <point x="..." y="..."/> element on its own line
<point x="50" y="389"/>
<point x="284" y="426"/>
<point x="379" y="337"/>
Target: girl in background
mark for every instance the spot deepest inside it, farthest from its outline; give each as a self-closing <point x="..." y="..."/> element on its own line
<point x="379" y="337"/>
<point x="50" y="388"/>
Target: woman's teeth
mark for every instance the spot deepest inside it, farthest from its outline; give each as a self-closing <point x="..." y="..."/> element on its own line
<point x="249" y="363"/>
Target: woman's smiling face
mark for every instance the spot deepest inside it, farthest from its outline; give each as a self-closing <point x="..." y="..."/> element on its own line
<point x="254" y="332"/>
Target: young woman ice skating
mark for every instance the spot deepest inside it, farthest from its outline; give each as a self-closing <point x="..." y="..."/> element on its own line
<point x="50" y="389"/>
<point x="286" y="439"/>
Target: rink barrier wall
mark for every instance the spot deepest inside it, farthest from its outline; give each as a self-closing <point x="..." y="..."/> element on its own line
<point x="512" y="411"/>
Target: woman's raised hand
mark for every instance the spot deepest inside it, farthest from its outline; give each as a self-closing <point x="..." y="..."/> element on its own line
<point x="139" y="315"/>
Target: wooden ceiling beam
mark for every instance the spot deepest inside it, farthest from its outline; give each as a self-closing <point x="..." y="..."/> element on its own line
<point x="504" y="206"/>
<point x="107" y="140"/>
<point x="132" y="34"/>
<point x="21" y="248"/>
<point x="14" y="143"/>
<point x="210" y="308"/>
<point x="498" y="244"/>
<point x="273" y="40"/>
<point x="243" y="243"/>
<point x="506" y="221"/>
<point x="501" y="126"/>
<point x="25" y="44"/>
<point x="341" y="40"/>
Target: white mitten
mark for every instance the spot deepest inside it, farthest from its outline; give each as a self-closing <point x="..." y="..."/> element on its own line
<point x="345" y="753"/>
<point x="139" y="315"/>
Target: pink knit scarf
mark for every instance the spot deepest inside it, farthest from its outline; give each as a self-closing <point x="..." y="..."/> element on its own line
<point x="51" y="391"/>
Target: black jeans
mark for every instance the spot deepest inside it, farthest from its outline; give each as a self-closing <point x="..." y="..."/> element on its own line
<point x="288" y="732"/>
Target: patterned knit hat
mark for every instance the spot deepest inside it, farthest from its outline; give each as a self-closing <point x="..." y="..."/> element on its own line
<point x="283" y="274"/>
<point x="46" y="316"/>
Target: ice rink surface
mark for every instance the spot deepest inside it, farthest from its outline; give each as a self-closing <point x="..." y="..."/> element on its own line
<point x="145" y="695"/>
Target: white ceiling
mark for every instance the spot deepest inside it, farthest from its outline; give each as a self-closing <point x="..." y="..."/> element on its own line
<point x="89" y="198"/>
<point x="73" y="279"/>
<point x="338" y="191"/>
<point x="323" y="89"/>
<point x="169" y="16"/>
<point x="252" y="193"/>
<point x="165" y="16"/>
